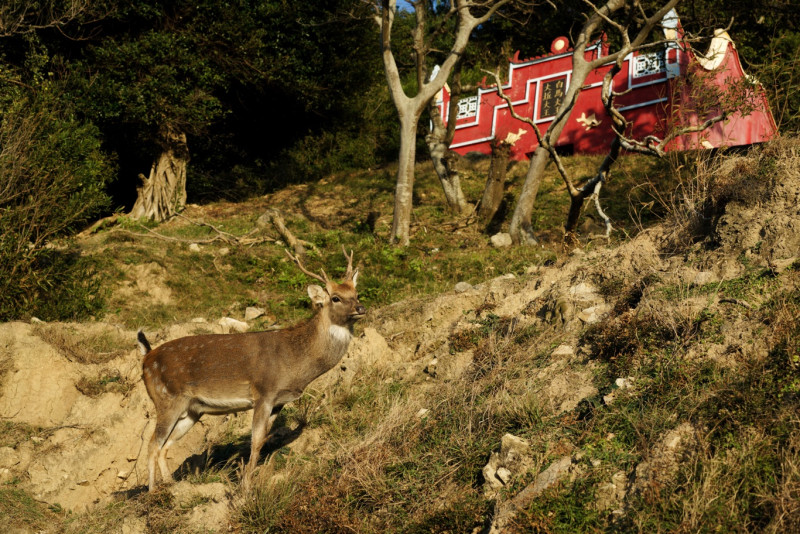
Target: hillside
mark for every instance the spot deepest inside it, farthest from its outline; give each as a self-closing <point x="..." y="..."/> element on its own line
<point x="648" y="384"/>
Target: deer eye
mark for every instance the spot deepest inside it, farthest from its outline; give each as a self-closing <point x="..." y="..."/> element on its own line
<point x="336" y="299"/>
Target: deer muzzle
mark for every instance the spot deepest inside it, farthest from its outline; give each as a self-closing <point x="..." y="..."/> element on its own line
<point x="359" y="312"/>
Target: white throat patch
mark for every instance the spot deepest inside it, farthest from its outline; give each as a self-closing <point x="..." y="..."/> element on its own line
<point x="340" y="333"/>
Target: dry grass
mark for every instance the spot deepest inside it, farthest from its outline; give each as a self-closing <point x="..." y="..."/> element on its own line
<point x="390" y="467"/>
<point x="270" y="496"/>
<point x="107" y="381"/>
<point x="22" y="513"/>
<point x="12" y="433"/>
<point x="708" y="182"/>
<point x="76" y="346"/>
<point x="785" y="498"/>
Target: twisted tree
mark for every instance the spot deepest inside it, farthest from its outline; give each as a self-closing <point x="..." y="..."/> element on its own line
<point x="467" y="15"/>
<point x="633" y="27"/>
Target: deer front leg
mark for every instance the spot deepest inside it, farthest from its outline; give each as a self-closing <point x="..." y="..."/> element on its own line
<point x="263" y="418"/>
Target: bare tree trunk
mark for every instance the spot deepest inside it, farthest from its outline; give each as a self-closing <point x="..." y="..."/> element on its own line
<point x="403" y="196"/>
<point x="578" y="197"/>
<point x="495" y="182"/>
<point x="521" y="227"/>
<point x="409" y="109"/>
<point x="439" y="140"/>
<point x="444" y="163"/>
<point x="163" y="193"/>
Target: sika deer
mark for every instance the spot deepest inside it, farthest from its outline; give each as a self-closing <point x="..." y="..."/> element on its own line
<point x="220" y="374"/>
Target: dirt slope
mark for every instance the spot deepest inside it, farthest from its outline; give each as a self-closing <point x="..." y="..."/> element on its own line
<point x="88" y="448"/>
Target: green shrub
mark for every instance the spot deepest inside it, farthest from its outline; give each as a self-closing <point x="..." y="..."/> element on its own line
<point x="52" y="178"/>
<point x="778" y="74"/>
<point x="317" y="155"/>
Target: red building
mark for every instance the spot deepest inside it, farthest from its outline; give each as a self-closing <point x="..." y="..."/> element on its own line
<point x="655" y="100"/>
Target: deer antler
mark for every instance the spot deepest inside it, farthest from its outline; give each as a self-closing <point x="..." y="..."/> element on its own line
<point x="348" y="275"/>
<point x="323" y="278"/>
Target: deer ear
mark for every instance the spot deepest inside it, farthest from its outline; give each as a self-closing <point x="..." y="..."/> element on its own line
<point x="318" y="295"/>
<point x="355" y="277"/>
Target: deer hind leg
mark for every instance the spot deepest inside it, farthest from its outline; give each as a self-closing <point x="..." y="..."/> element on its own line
<point x="169" y="429"/>
<point x="181" y="428"/>
<point x="151" y="463"/>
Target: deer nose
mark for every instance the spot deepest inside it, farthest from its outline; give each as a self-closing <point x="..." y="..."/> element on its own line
<point x="361" y="310"/>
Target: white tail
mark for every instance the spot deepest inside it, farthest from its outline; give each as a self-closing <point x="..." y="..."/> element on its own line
<point x="220" y="374"/>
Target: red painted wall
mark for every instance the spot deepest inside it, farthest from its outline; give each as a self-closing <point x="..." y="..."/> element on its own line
<point x="659" y="98"/>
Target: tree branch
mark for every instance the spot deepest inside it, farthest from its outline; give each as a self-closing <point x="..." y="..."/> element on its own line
<point x="543" y="142"/>
<point x="274" y="217"/>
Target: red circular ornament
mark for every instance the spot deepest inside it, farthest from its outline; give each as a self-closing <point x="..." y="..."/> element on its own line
<point x="560" y="45"/>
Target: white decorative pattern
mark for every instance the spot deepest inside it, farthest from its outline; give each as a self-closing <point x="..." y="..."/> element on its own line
<point x="588" y="122"/>
<point x="650" y="63"/>
<point x="467" y="107"/>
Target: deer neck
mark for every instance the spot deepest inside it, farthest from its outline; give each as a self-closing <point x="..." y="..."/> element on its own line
<point x="336" y="339"/>
<point x="330" y="344"/>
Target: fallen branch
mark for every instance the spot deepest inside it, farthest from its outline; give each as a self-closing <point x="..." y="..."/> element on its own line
<point x="233" y="240"/>
<point x="462" y="222"/>
<point x="505" y="511"/>
<point x="273" y="216"/>
<point x="224" y="236"/>
<point x="270" y="217"/>
<point x="99" y="225"/>
<point x="739" y="302"/>
<point x="221" y="235"/>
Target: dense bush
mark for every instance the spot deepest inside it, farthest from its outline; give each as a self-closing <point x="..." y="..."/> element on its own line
<point x="779" y="73"/>
<point x="52" y="179"/>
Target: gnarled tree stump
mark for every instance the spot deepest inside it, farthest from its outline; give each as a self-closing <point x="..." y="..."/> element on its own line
<point x="163" y="193"/>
